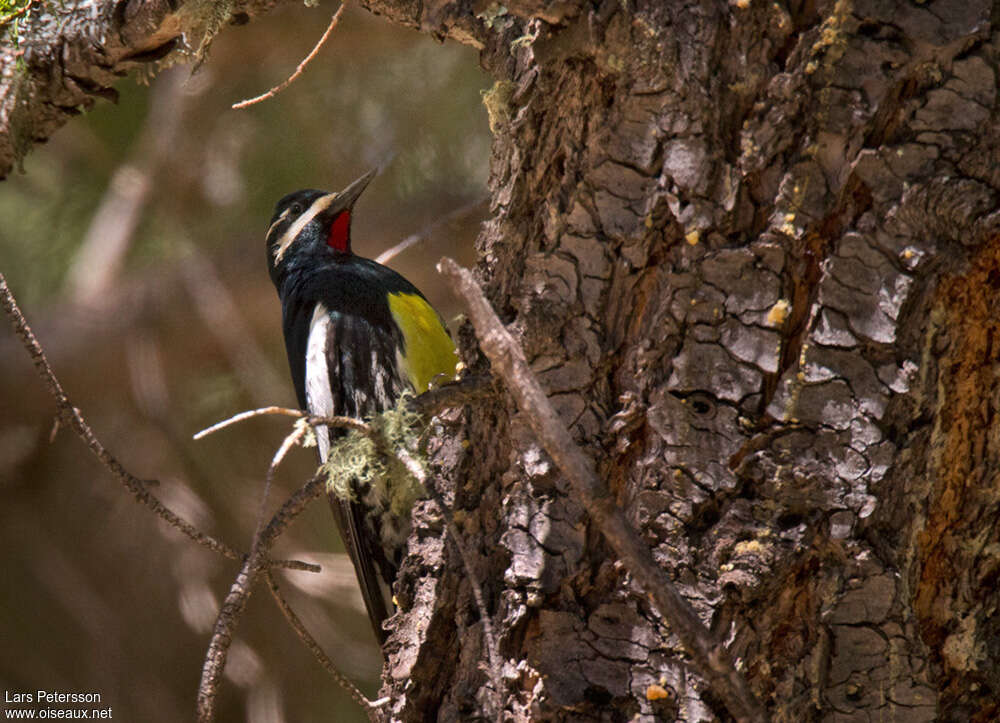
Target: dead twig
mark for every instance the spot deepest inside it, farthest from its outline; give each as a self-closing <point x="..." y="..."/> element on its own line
<point x="427" y="404"/>
<point x="294" y="565"/>
<point x="71" y="417"/>
<point x="239" y="593"/>
<point x="6" y="19"/>
<point x="263" y="539"/>
<point x="301" y="67"/>
<point x="244" y="582"/>
<point x="372" y="707"/>
<point x="343" y="422"/>
<point x="236" y="418"/>
<point x="415" y="238"/>
<point x="235" y="602"/>
<point x="710" y="657"/>
<point x="293" y="438"/>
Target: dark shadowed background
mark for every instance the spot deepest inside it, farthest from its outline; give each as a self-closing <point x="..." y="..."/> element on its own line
<point x="134" y="242"/>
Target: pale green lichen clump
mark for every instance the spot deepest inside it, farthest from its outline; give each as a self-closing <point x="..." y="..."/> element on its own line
<point x="369" y="459"/>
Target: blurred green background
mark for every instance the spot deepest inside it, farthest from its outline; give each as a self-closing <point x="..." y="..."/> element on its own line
<point x="134" y="243"/>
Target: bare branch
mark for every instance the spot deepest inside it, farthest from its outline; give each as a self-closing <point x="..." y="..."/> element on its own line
<point x="480" y="204"/>
<point x="293" y="438"/>
<point x="236" y="418"/>
<point x="371" y="707"/>
<point x="6" y="19"/>
<point x="427" y="404"/>
<point x="70" y="416"/>
<point x="293" y="565"/>
<point x="344" y="422"/>
<point x="710" y="657"/>
<point x="301" y="67"/>
<point x="239" y="593"/>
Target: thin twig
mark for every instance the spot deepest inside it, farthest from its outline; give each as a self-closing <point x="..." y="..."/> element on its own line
<point x="293" y="438"/>
<point x="293" y="565"/>
<point x="71" y="417"/>
<point x="371" y="707"/>
<point x="239" y="593"/>
<point x="16" y="14"/>
<point x="302" y="66"/>
<point x="422" y="235"/>
<point x="342" y="422"/>
<point x="236" y="418"/>
<point x="496" y="668"/>
<point x="427" y="404"/>
<point x="710" y="657"/>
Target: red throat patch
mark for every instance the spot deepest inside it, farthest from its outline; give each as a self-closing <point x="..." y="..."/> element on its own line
<point x="340" y="233"/>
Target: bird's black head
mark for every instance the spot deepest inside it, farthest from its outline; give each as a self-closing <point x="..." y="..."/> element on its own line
<point x="310" y="227"/>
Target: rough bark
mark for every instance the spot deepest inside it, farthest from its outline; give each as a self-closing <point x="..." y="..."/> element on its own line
<point x="751" y="250"/>
<point x="66" y="55"/>
<point x="748" y="249"/>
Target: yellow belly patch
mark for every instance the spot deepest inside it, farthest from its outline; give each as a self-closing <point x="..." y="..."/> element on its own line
<point x="427" y="349"/>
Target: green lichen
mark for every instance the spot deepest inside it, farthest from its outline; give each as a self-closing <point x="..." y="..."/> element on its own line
<point x="11" y="9"/>
<point x="498" y="104"/>
<point x="12" y="14"/>
<point x="8" y="7"/>
<point x="494" y="17"/>
<point x="308" y="434"/>
<point x="369" y="459"/>
<point x="203" y="20"/>
<point x="525" y="40"/>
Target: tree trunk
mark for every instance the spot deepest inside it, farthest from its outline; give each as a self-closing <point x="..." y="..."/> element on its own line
<point x="750" y="250"/>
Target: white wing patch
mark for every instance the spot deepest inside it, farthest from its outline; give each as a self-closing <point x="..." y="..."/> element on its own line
<point x="319" y="397"/>
<point x="386" y="382"/>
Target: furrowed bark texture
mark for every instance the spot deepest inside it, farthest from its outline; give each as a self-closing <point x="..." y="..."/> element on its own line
<point x="68" y="54"/>
<point x="751" y="250"/>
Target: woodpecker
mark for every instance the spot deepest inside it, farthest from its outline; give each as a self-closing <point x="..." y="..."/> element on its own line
<point x="357" y="335"/>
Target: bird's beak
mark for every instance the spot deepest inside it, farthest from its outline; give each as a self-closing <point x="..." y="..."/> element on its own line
<point x="333" y="204"/>
<point x="347" y="197"/>
<point x="325" y="209"/>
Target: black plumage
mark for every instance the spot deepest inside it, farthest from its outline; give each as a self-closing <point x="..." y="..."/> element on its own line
<point x="348" y="356"/>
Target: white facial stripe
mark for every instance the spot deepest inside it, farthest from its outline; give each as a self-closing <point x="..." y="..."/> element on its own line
<point x="318" y="206"/>
<point x="282" y="217"/>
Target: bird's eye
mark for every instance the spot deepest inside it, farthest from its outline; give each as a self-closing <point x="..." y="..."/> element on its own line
<point x="297" y="209"/>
